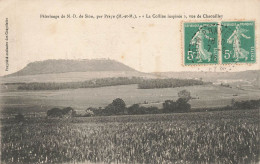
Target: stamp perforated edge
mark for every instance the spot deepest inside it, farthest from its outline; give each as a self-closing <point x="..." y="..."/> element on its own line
<point x="249" y="63"/>
<point x="219" y="43"/>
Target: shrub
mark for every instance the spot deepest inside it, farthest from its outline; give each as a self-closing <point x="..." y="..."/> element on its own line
<point x="250" y="104"/>
<point x="65" y="112"/>
<point x="68" y="111"/>
<point x="137" y="109"/>
<point x="133" y="109"/>
<point x="54" y="112"/>
<point x="89" y="113"/>
<point x="181" y="105"/>
<point x="184" y="95"/>
<point x="117" y="107"/>
<point x="169" y="106"/>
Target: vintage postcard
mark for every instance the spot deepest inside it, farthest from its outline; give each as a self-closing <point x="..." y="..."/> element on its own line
<point x="117" y="81"/>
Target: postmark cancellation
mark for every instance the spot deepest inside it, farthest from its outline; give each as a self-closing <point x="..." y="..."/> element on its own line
<point x="219" y="42"/>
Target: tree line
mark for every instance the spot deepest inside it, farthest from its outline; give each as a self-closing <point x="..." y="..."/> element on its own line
<point x="168" y="83"/>
<point x="103" y="82"/>
<point x="118" y="107"/>
<point x="181" y="105"/>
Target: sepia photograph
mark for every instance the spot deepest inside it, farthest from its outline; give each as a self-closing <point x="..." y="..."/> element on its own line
<point x="129" y="82"/>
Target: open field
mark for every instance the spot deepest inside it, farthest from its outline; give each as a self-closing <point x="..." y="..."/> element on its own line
<point x="81" y="99"/>
<point x="207" y="137"/>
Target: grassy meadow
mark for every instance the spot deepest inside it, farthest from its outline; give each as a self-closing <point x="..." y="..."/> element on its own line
<point x="80" y="99"/>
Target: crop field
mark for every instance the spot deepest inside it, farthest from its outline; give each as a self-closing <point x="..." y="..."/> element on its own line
<point x="81" y="99"/>
<point x="204" y="137"/>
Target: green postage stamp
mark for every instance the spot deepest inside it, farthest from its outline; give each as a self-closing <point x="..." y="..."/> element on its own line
<point x="201" y="42"/>
<point x="238" y="42"/>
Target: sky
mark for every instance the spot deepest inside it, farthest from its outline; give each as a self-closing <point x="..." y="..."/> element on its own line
<point x="147" y="45"/>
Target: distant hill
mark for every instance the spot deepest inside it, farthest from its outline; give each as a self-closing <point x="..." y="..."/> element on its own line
<point x="72" y="71"/>
<point x="65" y="66"/>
